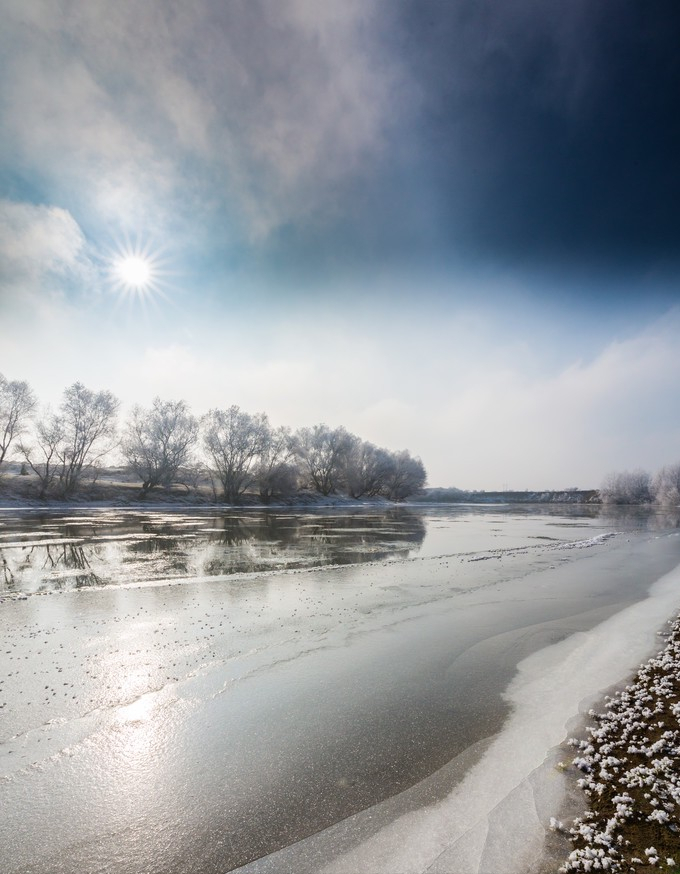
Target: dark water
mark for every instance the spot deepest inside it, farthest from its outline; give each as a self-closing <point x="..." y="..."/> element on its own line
<point x="56" y="551"/>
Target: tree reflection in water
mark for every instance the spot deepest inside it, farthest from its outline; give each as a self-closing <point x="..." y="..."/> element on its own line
<point x="7" y="575"/>
<point x="70" y="557"/>
<point x="116" y="548"/>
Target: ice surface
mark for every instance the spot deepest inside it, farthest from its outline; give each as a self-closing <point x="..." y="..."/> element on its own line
<point x="496" y="818"/>
<point x="29" y="544"/>
<point x="182" y="725"/>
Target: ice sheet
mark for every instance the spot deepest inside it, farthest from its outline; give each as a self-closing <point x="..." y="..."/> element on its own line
<point x="254" y="709"/>
<point x="496" y="819"/>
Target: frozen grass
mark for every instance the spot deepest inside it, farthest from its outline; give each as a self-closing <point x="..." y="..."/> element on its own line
<point x="630" y="763"/>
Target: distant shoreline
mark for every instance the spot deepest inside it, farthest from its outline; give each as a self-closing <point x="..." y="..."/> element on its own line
<point x="112" y="490"/>
<point x="302" y="503"/>
<point x="546" y="496"/>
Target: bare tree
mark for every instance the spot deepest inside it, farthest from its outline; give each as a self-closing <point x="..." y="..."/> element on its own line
<point x="42" y="455"/>
<point x="407" y="477"/>
<point x="69" y="443"/>
<point x="666" y="486"/>
<point x="17" y="402"/>
<point x="627" y="487"/>
<point x="89" y="422"/>
<point x="277" y="474"/>
<point x="322" y="452"/>
<point x="157" y="443"/>
<point x="368" y="470"/>
<point x="235" y="442"/>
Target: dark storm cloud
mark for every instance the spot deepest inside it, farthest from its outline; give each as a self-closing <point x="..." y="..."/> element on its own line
<point x="549" y="130"/>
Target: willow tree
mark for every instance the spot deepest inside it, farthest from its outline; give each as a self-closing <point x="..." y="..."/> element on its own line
<point x="277" y="473"/>
<point x="627" y="487"/>
<point x="157" y="442"/>
<point x="72" y="441"/>
<point x="17" y="402"/>
<point x="368" y="470"/>
<point x="666" y="486"/>
<point x="406" y="478"/>
<point x="235" y="443"/>
<point x="322" y="453"/>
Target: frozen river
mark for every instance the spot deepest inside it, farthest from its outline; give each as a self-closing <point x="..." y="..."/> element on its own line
<point x="302" y="691"/>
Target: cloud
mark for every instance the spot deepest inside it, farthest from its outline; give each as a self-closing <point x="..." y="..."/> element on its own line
<point x="38" y="241"/>
<point x="276" y="104"/>
<point x="323" y="134"/>
<point x="523" y="429"/>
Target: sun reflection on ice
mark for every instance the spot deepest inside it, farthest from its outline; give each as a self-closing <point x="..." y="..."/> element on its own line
<point x="139" y="711"/>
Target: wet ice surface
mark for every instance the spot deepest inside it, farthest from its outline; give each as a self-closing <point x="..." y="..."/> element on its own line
<point x="205" y="724"/>
<point x="41" y="552"/>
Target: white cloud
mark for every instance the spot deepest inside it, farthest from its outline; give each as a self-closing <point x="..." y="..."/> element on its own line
<point x="282" y="101"/>
<point x="565" y="429"/>
<point x="43" y="254"/>
<point x="37" y="239"/>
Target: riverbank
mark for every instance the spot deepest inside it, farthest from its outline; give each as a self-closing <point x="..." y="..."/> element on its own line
<point x="18" y="492"/>
<point x="629" y="765"/>
<point x="116" y="488"/>
<point x="528" y="496"/>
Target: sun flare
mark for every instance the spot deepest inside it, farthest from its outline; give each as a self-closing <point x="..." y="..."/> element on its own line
<point x="137" y="273"/>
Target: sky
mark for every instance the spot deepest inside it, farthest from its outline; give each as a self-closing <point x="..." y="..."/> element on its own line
<point x="451" y="226"/>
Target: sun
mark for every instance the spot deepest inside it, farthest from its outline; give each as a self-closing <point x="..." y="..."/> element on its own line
<point x="134" y="271"/>
<point x="137" y="273"/>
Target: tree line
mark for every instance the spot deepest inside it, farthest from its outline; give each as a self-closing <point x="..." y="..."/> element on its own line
<point x="165" y="444"/>
<point x="641" y="487"/>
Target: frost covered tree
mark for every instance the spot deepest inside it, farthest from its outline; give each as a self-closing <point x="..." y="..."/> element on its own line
<point x="42" y="454"/>
<point x="407" y="477"/>
<point x="277" y="474"/>
<point x="235" y="443"/>
<point x="627" y="487"/>
<point x="72" y="441"/>
<point x="17" y="402"/>
<point x="368" y="470"/>
<point x="157" y="443"/>
<point x="322" y="453"/>
<point x="666" y="486"/>
<point x="89" y="432"/>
